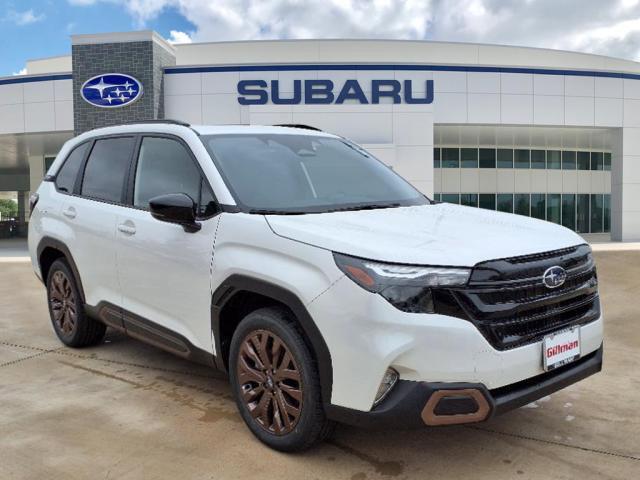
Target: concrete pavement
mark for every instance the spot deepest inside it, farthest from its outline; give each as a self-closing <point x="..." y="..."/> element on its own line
<point x="128" y="411"/>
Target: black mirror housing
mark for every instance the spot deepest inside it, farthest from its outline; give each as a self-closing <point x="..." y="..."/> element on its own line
<point x="178" y="208"/>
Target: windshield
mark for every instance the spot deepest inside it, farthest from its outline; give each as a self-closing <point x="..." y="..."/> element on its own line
<point x="305" y="174"/>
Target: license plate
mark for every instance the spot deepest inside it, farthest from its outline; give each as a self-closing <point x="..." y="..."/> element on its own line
<point x="561" y="348"/>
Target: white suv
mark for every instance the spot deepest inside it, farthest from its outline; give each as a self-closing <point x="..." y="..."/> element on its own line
<point x="326" y="286"/>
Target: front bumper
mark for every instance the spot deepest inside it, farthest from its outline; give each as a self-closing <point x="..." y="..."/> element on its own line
<point x="407" y="404"/>
<point x="366" y="335"/>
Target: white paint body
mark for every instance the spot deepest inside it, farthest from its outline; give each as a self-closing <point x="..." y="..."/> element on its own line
<point x="168" y="276"/>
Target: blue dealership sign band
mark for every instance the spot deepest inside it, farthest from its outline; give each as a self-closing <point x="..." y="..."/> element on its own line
<point x="111" y="90"/>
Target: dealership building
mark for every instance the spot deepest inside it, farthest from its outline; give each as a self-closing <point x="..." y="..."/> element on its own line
<point x="550" y="134"/>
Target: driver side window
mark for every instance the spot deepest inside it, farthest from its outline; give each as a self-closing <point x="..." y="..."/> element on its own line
<point x="164" y="166"/>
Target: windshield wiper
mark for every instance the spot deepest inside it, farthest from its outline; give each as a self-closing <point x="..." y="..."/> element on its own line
<point x="366" y="206"/>
<point x="369" y="206"/>
<point x="258" y="211"/>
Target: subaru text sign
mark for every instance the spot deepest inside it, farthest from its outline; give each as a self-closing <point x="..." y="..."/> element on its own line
<point x="111" y="90"/>
<point x="259" y="92"/>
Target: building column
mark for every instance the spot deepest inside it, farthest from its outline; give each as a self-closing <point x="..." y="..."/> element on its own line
<point x="23" y="213"/>
<point x="36" y="171"/>
<point x="625" y="185"/>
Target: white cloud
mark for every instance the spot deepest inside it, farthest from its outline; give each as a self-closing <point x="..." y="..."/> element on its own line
<point x="176" y="36"/>
<point x="24" y="18"/>
<point x="610" y="28"/>
<point x="22" y="71"/>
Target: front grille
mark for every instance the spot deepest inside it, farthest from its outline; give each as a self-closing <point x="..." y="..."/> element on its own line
<point x="510" y="305"/>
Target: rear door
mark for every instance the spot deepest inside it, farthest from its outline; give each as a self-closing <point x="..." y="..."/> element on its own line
<point x="165" y="271"/>
<point x="89" y="213"/>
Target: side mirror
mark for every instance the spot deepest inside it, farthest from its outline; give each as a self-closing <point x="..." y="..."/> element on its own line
<point x="176" y="208"/>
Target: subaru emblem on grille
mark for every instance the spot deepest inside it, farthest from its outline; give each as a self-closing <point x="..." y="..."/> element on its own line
<point x="554" y="277"/>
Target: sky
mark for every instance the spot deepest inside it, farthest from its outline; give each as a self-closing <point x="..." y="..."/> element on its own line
<point x="41" y="28"/>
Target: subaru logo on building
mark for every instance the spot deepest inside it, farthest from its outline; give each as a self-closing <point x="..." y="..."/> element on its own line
<point x="554" y="277"/>
<point x="111" y="90"/>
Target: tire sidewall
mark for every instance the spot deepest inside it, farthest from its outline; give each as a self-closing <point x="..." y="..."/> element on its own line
<point x="62" y="266"/>
<point x="276" y="322"/>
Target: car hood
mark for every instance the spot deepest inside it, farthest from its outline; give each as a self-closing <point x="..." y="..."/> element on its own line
<point x="438" y="234"/>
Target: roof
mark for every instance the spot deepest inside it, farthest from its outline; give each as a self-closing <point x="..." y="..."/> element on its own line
<point x="256" y="129"/>
<point x="172" y="127"/>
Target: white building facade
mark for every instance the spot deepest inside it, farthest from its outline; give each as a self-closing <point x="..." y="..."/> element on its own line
<point x="545" y="133"/>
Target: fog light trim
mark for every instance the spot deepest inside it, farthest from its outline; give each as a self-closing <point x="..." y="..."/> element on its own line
<point x="429" y="416"/>
<point x="389" y="380"/>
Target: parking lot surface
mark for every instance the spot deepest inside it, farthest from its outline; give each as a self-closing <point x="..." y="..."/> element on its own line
<point x="124" y="410"/>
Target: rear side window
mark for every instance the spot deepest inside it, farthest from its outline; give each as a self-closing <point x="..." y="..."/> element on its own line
<point x="107" y="168"/>
<point x="66" y="177"/>
<point x="164" y="166"/>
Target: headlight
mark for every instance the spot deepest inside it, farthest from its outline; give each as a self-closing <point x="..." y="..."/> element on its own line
<point x="407" y="287"/>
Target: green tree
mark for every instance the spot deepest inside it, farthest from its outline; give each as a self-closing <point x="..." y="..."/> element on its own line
<point x="8" y="209"/>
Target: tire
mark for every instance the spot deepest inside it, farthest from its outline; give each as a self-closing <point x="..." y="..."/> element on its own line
<point x="68" y="317"/>
<point x="282" y="406"/>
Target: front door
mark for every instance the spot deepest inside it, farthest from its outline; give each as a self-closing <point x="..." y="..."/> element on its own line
<point x="165" y="271"/>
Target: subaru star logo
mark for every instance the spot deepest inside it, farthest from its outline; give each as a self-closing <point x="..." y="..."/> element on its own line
<point x="111" y="90"/>
<point x="554" y="277"/>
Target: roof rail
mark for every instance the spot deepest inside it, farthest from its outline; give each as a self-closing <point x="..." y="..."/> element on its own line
<point x="159" y="120"/>
<point x="298" y="125"/>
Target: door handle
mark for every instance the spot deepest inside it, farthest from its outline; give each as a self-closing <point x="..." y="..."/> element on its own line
<point x="128" y="229"/>
<point x="69" y="212"/>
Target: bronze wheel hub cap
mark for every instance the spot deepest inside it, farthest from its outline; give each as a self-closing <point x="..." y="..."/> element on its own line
<point x="270" y="382"/>
<point x="63" y="303"/>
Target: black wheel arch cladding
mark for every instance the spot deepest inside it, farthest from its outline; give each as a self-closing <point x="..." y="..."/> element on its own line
<point x="236" y="284"/>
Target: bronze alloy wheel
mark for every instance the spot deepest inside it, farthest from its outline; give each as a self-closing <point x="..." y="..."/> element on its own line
<point x="63" y="303"/>
<point x="270" y="382"/>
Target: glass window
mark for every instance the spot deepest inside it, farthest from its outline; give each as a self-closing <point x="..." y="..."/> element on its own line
<point x="207" y="205"/>
<point x="607" y="161"/>
<point x="487" y="200"/>
<point x="597" y="216"/>
<point x="450" y="157"/>
<point x="436" y="158"/>
<point x="607" y="213"/>
<point x="521" y="159"/>
<point x="538" y="206"/>
<point x="66" y="176"/>
<point x="487" y="158"/>
<point x="469" y="157"/>
<point x="107" y="168"/>
<point x="451" y="198"/>
<point x="469" y="199"/>
<point x="164" y="166"/>
<point x="553" y="207"/>
<point x="538" y="159"/>
<point x="568" y="160"/>
<point x="582" y="213"/>
<point x="505" y="158"/>
<point x="521" y="204"/>
<point x="569" y="210"/>
<point x="437" y="197"/>
<point x="553" y="159"/>
<point x="305" y="173"/>
<point x="505" y="202"/>
<point x="584" y="160"/>
<point x="597" y="160"/>
<point x="48" y="161"/>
